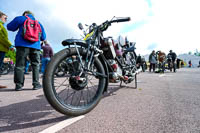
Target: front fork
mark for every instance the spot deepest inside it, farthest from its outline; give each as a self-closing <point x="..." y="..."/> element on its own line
<point x="89" y="61"/>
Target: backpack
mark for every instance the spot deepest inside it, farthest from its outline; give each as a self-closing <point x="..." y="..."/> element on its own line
<point x="31" y="30"/>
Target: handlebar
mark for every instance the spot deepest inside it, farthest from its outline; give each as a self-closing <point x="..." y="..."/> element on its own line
<point x="121" y="20"/>
<point x="107" y="23"/>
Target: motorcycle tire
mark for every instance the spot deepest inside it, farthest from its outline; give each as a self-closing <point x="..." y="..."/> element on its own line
<point x="64" y="105"/>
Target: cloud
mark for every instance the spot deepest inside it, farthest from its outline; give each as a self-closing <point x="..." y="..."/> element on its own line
<point x="168" y="24"/>
<point x="88" y="12"/>
<point x="60" y="17"/>
<point x="174" y="25"/>
<point x="152" y="46"/>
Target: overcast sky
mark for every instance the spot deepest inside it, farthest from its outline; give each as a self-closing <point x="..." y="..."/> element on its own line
<point x="155" y="24"/>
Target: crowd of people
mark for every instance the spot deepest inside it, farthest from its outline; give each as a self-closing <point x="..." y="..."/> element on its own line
<point x="28" y="47"/>
<point x="160" y="59"/>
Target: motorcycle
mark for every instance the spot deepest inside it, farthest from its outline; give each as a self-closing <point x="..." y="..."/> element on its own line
<point x="6" y="68"/>
<point x="171" y="64"/>
<point x="130" y="49"/>
<point x="89" y="65"/>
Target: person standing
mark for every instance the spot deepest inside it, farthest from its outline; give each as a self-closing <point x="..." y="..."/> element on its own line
<point x="172" y="57"/>
<point x="161" y="61"/>
<point x="190" y="63"/>
<point x="5" y="44"/>
<point x="27" y="47"/>
<point x="152" y="60"/>
<point x="178" y="63"/>
<point x="47" y="54"/>
<point x="138" y="61"/>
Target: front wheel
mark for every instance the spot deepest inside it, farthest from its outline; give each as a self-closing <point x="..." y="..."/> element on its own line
<point x="78" y="91"/>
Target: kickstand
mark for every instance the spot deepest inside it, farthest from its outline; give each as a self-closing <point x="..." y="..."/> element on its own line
<point x="121" y="83"/>
<point x="135" y="81"/>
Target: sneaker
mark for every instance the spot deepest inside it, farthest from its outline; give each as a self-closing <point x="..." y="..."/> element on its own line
<point x="2" y="86"/>
<point x="17" y="88"/>
<point x="37" y="87"/>
<point x="26" y="73"/>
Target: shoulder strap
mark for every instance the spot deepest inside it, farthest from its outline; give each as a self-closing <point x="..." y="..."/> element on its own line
<point x="30" y="18"/>
<point x="27" y="17"/>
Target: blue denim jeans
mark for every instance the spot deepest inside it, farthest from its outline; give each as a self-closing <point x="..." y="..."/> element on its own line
<point x="2" y="55"/>
<point x="44" y="64"/>
<point x="27" y="63"/>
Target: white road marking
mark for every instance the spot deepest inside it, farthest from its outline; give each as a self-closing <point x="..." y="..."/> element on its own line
<point x="164" y="75"/>
<point x="62" y="125"/>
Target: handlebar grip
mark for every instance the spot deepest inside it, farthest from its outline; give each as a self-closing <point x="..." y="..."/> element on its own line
<point x="121" y="20"/>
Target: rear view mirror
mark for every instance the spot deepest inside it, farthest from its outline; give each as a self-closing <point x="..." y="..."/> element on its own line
<point x="80" y="26"/>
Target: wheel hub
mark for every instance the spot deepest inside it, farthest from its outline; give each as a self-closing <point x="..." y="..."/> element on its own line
<point x="78" y="83"/>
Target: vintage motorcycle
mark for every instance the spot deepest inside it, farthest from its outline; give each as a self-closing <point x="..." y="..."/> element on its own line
<point x="89" y="65"/>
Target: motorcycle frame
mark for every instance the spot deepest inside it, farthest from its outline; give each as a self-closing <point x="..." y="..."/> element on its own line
<point x="93" y="49"/>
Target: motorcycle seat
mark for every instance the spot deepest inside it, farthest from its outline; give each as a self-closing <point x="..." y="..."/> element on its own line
<point x="73" y="42"/>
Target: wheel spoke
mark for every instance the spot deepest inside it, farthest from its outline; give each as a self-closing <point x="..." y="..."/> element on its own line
<point x="88" y="93"/>
<point x="73" y="97"/>
<point x="69" y="96"/>
<point x="61" y="84"/>
<point x="80" y="98"/>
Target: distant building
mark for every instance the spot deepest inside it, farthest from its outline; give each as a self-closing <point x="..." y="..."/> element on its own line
<point x="186" y="58"/>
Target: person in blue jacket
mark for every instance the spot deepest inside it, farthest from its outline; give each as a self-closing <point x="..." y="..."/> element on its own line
<point x="26" y="48"/>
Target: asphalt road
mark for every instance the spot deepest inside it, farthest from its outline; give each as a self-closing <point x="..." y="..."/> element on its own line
<point x="162" y="103"/>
